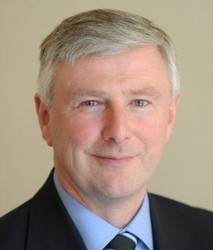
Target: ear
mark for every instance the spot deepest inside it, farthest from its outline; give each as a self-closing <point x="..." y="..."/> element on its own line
<point x="172" y="114"/>
<point x="43" y="119"/>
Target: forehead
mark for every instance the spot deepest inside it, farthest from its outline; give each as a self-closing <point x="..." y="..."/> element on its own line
<point x="141" y="65"/>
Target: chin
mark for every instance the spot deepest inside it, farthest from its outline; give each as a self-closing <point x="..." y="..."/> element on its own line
<point x="123" y="190"/>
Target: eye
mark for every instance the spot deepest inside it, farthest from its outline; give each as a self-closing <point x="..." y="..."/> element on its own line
<point x="140" y="102"/>
<point x="91" y="103"/>
<point x="91" y="106"/>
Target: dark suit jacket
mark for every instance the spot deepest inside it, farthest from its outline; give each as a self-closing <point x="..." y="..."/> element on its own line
<point x="43" y="223"/>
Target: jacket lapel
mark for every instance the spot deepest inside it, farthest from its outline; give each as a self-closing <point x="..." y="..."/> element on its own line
<point x="50" y="226"/>
<point x="168" y="231"/>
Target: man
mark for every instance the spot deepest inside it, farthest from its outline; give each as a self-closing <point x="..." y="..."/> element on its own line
<point x="108" y="91"/>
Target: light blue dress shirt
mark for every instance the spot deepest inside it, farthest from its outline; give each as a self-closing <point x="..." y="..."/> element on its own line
<point x="97" y="233"/>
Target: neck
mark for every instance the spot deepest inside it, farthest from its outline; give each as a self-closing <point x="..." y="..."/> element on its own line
<point x="118" y="213"/>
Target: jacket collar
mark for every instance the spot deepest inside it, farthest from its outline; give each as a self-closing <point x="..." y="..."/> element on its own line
<point x="50" y="227"/>
<point x="168" y="231"/>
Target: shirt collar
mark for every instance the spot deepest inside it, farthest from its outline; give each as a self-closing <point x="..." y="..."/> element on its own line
<point x="102" y="232"/>
<point x="141" y="225"/>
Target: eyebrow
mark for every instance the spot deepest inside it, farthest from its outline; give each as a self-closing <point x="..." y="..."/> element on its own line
<point x="85" y="92"/>
<point x="149" y="91"/>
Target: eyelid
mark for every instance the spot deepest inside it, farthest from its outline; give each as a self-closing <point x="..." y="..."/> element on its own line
<point x="84" y="100"/>
<point x="91" y="101"/>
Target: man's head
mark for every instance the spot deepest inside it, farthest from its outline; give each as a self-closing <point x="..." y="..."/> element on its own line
<point x="107" y="103"/>
<point x="101" y="32"/>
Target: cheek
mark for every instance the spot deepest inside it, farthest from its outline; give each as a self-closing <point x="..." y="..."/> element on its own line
<point x="83" y="134"/>
<point x="152" y="136"/>
<point x="151" y="131"/>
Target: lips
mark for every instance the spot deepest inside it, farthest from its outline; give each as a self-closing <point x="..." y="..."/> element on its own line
<point x="114" y="159"/>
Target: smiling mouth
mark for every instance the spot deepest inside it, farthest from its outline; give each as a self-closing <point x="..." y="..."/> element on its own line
<point x="114" y="160"/>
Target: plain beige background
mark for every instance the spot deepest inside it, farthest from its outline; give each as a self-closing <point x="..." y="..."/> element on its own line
<point x="186" y="170"/>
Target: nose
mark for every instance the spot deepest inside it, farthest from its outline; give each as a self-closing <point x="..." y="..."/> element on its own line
<point x="116" y="125"/>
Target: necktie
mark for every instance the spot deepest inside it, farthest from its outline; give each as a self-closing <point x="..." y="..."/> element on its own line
<point x="125" y="241"/>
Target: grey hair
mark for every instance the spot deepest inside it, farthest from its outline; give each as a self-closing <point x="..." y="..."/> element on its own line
<point x="101" y="32"/>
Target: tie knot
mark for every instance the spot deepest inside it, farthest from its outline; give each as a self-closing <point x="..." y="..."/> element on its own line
<point x="125" y="241"/>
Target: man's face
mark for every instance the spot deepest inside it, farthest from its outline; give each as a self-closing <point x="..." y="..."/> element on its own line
<point x="109" y="121"/>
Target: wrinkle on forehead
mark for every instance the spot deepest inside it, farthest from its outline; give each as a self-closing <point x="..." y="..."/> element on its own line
<point x="146" y="91"/>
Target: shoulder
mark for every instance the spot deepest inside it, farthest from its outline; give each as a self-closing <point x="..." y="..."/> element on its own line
<point x="13" y="227"/>
<point x="190" y="217"/>
<point x="172" y="221"/>
<point x="177" y="206"/>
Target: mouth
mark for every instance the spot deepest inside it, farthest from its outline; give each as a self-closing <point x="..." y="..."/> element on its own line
<point x="114" y="160"/>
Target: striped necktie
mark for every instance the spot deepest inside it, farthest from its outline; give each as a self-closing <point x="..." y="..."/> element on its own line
<point x="124" y="241"/>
